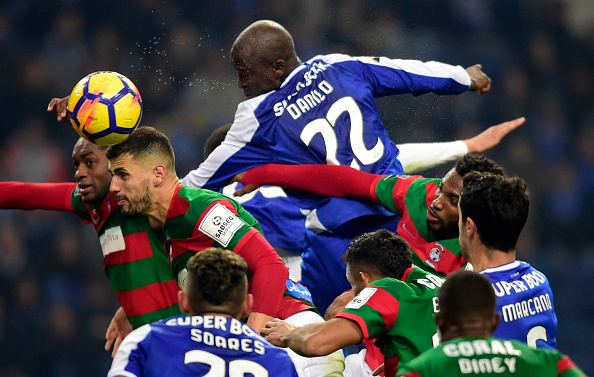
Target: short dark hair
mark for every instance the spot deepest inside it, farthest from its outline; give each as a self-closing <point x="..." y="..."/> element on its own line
<point x="466" y="294"/>
<point x="382" y="250"/>
<point x="216" y="277"/>
<point x="477" y="162"/>
<point x="145" y="142"/>
<point x="215" y="139"/>
<point x="499" y="207"/>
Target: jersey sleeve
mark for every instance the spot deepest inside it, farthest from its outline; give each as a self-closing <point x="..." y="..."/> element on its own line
<point x="29" y="196"/>
<point x="567" y="368"/>
<point x="219" y="224"/>
<point x="236" y="153"/>
<point x="397" y="76"/>
<point x="391" y="191"/>
<point x="129" y="357"/>
<point x="374" y="309"/>
<point x="328" y="180"/>
<point x="416" y="157"/>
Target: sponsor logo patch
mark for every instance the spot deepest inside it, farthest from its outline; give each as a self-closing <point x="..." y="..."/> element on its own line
<point x="361" y="298"/>
<point x="220" y="224"/>
<point x="112" y="240"/>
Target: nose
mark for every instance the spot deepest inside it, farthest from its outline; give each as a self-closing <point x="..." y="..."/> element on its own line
<point x="80" y="172"/>
<point x="438" y="202"/>
<point x="114" y="187"/>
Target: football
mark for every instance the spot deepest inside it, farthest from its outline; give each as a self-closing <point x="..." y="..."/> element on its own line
<point x="105" y="108"/>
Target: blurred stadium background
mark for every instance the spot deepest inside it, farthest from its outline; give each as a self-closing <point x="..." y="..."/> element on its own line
<point x="56" y="303"/>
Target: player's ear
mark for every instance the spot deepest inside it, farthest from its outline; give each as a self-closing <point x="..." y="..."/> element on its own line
<point x="159" y="173"/>
<point x="470" y="227"/>
<point x="184" y="304"/>
<point x="279" y="67"/>
<point x="367" y="279"/>
<point x="495" y="321"/>
<point x="246" y="308"/>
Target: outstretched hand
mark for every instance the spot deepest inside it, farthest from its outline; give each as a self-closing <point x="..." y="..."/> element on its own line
<point x="246" y="189"/>
<point x="275" y="332"/>
<point x="118" y="329"/>
<point x="479" y="80"/>
<point x="492" y="136"/>
<point x="60" y="106"/>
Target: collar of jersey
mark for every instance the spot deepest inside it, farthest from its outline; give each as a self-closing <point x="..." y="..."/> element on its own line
<point x="504" y="267"/>
<point x="299" y="68"/>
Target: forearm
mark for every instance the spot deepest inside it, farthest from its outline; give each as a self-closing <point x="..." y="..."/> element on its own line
<point x="28" y="196"/>
<point x="328" y="180"/>
<point x="416" y="157"/>
<point x="257" y="321"/>
<point x="322" y="339"/>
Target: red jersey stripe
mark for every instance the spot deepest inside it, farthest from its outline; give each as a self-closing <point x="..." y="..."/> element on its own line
<point x="391" y="366"/>
<point x="372" y="192"/>
<point x="179" y="206"/>
<point x="386" y="304"/>
<point x="138" y="247"/>
<point x="358" y="320"/>
<point x="154" y="296"/>
<point x="564" y="364"/>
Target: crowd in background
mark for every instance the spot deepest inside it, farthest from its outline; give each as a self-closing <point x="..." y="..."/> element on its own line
<point x="55" y="301"/>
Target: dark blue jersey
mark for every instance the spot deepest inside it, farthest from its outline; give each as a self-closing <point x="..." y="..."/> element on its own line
<point x="525" y="302"/>
<point x="194" y="345"/>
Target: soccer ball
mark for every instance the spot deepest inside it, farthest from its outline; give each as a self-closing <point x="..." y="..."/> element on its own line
<point x="105" y="108"/>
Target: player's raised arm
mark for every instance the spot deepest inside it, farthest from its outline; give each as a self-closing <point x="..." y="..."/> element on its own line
<point x="328" y="180"/>
<point x="60" y="106"/>
<point x="416" y="157"/>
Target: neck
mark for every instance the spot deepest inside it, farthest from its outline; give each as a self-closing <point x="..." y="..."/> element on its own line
<point x="467" y="330"/>
<point x="484" y="257"/>
<point x="227" y="315"/>
<point x="162" y="199"/>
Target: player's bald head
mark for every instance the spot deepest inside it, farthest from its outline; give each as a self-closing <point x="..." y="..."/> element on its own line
<point x="264" y="42"/>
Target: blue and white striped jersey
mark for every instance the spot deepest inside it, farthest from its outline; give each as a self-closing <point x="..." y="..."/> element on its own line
<point x="194" y="345"/>
<point x="525" y="302"/>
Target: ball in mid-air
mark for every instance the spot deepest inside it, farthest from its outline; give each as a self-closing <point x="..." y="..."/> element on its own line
<point x="105" y="108"/>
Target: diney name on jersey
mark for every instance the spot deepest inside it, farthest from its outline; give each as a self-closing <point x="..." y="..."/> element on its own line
<point x="529" y="281"/>
<point x="526" y="308"/>
<point x="231" y="325"/>
<point x="494" y="364"/>
<point x="309" y="100"/>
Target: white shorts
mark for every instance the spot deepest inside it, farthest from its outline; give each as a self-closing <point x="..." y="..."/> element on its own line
<point x="355" y="365"/>
<point x="331" y="365"/>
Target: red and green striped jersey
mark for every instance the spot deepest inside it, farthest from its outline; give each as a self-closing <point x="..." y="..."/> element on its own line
<point x="399" y="314"/>
<point x="489" y="357"/>
<point x="135" y="261"/>
<point x="198" y="219"/>
<point x="409" y="197"/>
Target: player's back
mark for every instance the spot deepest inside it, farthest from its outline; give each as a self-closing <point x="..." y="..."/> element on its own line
<point x="195" y="345"/>
<point x="525" y="302"/>
<point x="399" y="313"/>
<point x="489" y="357"/>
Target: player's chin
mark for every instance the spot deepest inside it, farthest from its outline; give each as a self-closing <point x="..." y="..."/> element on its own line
<point x="435" y="225"/>
<point x="89" y="196"/>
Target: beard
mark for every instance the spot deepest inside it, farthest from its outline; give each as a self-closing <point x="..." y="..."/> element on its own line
<point x="139" y="205"/>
